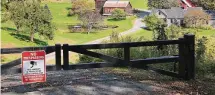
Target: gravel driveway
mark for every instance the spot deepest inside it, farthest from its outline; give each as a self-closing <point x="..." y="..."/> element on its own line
<point x="78" y="82"/>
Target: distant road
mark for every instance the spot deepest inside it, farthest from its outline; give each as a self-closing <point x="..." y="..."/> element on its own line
<point x="138" y="25"/>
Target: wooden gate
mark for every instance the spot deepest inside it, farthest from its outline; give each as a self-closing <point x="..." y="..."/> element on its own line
<point x="185" y="58"/>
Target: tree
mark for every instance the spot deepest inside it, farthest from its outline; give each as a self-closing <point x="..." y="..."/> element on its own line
<point x="196" y="18"/>
<point x="173" y="31"/>
<point x="118" y="14"/>
<point x="159" y="32"/>
<point x="163" y="4"/>
<point x="206" y="4"/>
<point x="81" y="6"/>
<point x="90" y="18"/>
<point x="30" y="15"/>
<point x="4" y="11"/>
<point x="152" y="21"/>
<point x="38" y="20"/>
<point x="16" y="13"/>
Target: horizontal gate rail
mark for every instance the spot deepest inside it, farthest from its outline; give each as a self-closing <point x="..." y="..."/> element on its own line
<point x="163" y="59"/>
<point x="128" y="44"/>
<point x="97" y="55"/>
<point x="90" y="65"/>
<point x="48" y="49"/>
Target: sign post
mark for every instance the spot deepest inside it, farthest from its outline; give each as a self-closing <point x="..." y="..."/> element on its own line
<point x="33" y="67"/>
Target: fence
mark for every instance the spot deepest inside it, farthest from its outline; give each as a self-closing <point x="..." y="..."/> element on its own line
<point x="185" y="58"/>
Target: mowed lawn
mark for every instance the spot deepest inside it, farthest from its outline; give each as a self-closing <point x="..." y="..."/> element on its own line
<point x="62" y="34"/>
<point x="146" y="34"/>
<point x="139" y="4"/>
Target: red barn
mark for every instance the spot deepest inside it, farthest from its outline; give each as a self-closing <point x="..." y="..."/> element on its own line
<point x="107" y="7"/>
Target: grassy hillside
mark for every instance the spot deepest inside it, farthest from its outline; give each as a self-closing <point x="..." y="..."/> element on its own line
<point x="62" y="34"/>
<point x="140" y="4"/>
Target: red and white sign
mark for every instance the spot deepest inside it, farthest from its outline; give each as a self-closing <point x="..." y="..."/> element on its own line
<point x="33" y="66"/>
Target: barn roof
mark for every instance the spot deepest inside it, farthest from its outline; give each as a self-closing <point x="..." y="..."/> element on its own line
<point x="116" y="4"/>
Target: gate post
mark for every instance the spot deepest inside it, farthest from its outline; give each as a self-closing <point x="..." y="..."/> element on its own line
<point x="126" y="56"/>
<point x="190" y="57"/>
<point x="65" y="56"/>
<point x="182" y="62"/>
<point x="58" y="56"/>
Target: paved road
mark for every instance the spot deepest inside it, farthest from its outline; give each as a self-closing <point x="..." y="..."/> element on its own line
<point x="138" y="24"/>
<point x="79" y="82"/>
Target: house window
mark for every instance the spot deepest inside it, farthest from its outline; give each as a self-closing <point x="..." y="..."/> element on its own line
<point x="171" y="20"/>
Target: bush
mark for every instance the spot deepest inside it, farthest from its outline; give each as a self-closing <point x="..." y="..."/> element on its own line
<point x="205" y="56"/>
<point x="118" y="14"/>
<point x="196" y="18"/>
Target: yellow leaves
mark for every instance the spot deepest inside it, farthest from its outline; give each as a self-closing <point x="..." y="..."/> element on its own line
<point x="196" y="18"/>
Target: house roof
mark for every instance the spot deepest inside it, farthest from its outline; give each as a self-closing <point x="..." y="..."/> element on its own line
<point x="211" y="13"/>
<point x="175" y="12"/>
<point x="116" y="4"/>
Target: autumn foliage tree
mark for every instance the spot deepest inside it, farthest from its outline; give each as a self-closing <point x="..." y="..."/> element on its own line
<point x="81" y="6"/>
<point x="90" y="18"/>
<point x="196" y="18"/>
<point x="163" y="4"/>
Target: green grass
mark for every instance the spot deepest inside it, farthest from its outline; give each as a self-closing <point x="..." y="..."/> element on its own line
<point x="59" y="12"/>
<point x="139" y="4"/>
<point x="142" y="33"/>
<point x="62" y="35"/>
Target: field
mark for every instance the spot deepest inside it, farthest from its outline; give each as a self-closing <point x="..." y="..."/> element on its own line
<point x="62" y="34"/>
<point x="139" y="4"/>
<point x="59" y="12"/>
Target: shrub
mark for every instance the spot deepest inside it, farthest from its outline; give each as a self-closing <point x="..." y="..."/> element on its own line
<point x="118" y="14"/>
<point x="196" y="18"/>
<point x="205" y="56"/>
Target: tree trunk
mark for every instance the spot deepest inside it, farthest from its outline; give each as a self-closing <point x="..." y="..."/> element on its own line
<point x="89" y="28"/>
<point x="18" y="29"/>
<point x="32" y="37"/>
